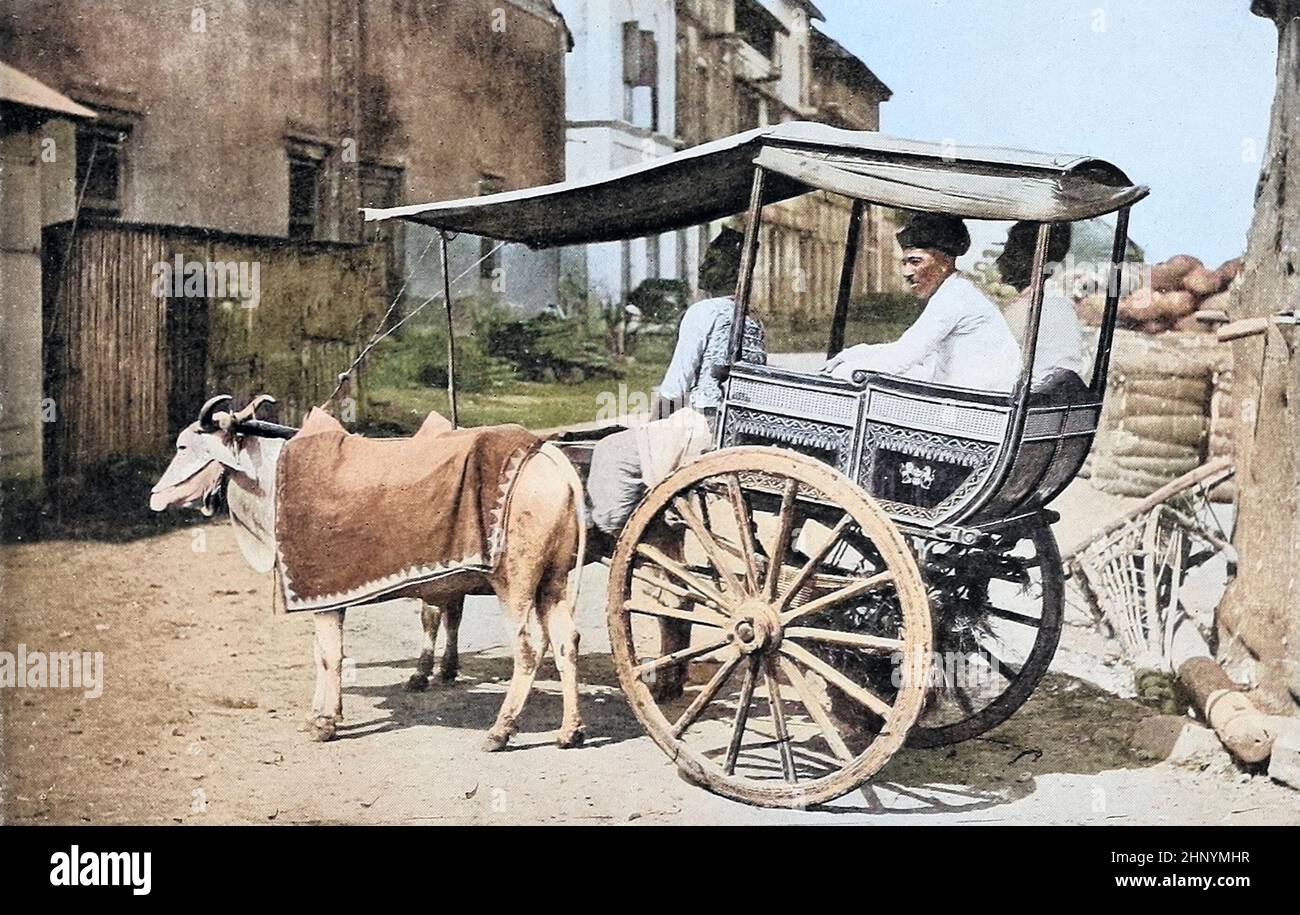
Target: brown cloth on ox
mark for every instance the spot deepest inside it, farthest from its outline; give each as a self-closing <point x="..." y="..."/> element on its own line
<point x="358" y="519"/>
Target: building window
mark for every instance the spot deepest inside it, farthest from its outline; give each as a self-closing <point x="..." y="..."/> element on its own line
<point x="100" y="171"/>
<point x="381" y="186"/>
<point x="640" y="77"/>
<point x="751" y="108"/>
<point x="487" y="268"/>
<point x="304" y="196"/>
<point x="757" y="27"/>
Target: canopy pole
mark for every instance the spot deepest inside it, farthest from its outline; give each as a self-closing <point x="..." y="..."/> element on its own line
<point x="451" y="337"/>
<point x="1038" y="282"/>
<point x="748" y="257"/>
<point x="1106" y="336"/>
<point x="852" y="243"/>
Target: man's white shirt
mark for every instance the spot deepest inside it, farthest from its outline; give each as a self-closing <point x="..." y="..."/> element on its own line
<point x="960" y="339"/>
<point x="1062" y="341"/>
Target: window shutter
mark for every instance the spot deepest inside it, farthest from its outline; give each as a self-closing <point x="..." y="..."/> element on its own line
<point x="649" y="71"/>
<point x="631" y="54"/>
<point x="640" y="56"/>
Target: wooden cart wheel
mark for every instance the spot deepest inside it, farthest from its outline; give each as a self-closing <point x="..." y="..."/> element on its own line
<point x="736" y="604"/>
<point x="997" y="616"/>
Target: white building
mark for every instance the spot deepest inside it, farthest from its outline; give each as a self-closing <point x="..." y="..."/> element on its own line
<point x="621" y="109"/>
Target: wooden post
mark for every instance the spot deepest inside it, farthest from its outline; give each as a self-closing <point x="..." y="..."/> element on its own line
<point x="748" y="256"/>
<point x="852" y="242"/>
<point x="1259" y="616"/>
<point x="451" y="335"/>
<point x="1242" y="728"/>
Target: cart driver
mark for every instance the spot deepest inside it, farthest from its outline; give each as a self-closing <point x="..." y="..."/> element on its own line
<point x="960" y="338"/>
<point x="625" y="464"/>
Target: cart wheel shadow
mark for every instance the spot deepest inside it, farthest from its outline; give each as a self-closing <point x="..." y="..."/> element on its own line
<point x="474" y="699"/>
<point x="1068" y="727"/>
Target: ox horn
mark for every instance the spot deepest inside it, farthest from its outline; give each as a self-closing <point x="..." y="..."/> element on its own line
<point x="207" y="422"/>
<point x="249" y="411"/>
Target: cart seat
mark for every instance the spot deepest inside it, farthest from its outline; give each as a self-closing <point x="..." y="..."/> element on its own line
<point x="1061" y="388"/>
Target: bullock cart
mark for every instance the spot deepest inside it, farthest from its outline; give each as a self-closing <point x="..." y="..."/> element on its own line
<point x="859" y="564"/>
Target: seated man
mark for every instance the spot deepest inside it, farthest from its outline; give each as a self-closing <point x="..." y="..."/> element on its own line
<point x="960" y="339"/>
<point x="625" y="464"/>
<point x="1061" y="345"/>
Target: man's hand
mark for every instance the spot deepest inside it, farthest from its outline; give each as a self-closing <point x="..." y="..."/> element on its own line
<point x="848" y="361"/>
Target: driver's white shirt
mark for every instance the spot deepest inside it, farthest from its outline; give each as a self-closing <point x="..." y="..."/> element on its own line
<point x="960" y="339"/>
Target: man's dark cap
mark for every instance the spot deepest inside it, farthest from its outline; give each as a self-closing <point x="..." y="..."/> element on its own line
<point x="932" y="230"/>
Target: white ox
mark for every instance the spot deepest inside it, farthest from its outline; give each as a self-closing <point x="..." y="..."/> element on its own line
<point x="536" y="578"/>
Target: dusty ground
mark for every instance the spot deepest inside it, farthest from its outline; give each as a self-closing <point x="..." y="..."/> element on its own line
<point x="205" y="688"/>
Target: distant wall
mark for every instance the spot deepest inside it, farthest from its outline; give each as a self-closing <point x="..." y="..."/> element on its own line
<point x="445" y="90"/>
<point x="20" y="306"/>
<point x="127" y="367"/>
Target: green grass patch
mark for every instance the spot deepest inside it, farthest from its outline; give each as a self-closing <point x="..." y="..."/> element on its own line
<point x="399" y="392"/>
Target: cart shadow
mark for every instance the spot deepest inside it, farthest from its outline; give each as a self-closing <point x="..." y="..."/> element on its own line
<point x="474" y="699"/>
<point x="1068" y="727"/>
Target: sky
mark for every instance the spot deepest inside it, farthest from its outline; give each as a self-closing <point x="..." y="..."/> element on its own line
<point x="1175" y="92"/>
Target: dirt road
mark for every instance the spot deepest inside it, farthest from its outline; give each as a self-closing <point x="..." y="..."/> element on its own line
<point x="204" y="690"/>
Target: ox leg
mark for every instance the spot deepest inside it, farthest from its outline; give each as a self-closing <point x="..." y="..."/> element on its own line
<point x="430" y="616"/>
<point x="557" y="616"/>
<point x="527" y="656"/>
<point x="450" y="665"/>
<point x="328" y="706"/>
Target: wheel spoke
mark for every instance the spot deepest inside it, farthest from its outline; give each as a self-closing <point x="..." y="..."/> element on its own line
<point x="1003" y="667"/>
<point x="656" y="581"/>
<point x="839" y="596"/>
<point x="677" y="657"/>
<point x="685" y="576"/>
<point x="784" y="531"/>
<point x="748" y="548"/>
<point x="816" y="710"/>
<point x="811" y="565"/>
<point x="857" y="693"/>
<point x="848" y="639"/>
<point x="778" y="719"/>
<point x="1013" y="616"/>
<point x="703" y="617"/>
<point x="962" y="698"/>
<point x="692" y="509"/>
<point x="706" y="696"/>
<point x="742" y="713"/>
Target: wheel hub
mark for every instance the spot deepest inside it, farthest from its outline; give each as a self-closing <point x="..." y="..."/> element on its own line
<point x="757" y="627"/>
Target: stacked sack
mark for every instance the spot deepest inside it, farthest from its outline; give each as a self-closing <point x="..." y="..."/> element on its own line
<point x="1179" y="287"/>
<point x="1156" y="424"/>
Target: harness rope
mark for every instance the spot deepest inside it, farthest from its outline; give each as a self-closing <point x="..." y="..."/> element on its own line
<point x="378" y="337"/>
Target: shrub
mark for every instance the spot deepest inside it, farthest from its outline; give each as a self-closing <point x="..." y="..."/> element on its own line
<point x="661" y="301"/>
<point x="547" y="347"/>
<point x="418" y="358"/>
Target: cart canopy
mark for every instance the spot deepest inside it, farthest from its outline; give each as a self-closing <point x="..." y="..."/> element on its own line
<point x="713" y="181"/>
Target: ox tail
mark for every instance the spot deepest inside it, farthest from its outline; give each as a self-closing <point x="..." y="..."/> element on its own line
<point x="578" y="494"/>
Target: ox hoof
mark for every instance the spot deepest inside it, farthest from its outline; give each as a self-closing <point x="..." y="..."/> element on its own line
<point x="448" y="674"/>
<point x="418" y="683"/>
<point x="323" y="729"/>
<point x="572" y="739"/>
<point x="666" y="689"/>
<point x="495" y="742"/>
